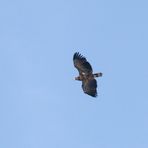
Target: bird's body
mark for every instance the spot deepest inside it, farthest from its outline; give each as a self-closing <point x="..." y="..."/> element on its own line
<point x="89" y="83"/>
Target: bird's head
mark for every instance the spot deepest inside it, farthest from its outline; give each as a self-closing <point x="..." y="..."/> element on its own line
<point x="78" y="78"/>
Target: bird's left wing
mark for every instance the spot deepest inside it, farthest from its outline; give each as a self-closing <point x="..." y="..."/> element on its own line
<point x="82" y="64"/>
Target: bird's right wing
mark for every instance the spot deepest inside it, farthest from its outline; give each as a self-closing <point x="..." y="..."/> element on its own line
<point x="90" y="87"/>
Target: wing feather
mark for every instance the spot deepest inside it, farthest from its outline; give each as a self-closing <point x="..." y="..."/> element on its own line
<point x="81" y="63"/>
<point x="90" y="87"/>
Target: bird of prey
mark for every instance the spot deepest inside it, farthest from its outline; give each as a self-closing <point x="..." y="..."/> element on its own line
<point x="89" y="83"/>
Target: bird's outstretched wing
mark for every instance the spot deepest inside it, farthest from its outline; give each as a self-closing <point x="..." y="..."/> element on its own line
<point x="82" y="64"/>
<point x="90" y="87"/>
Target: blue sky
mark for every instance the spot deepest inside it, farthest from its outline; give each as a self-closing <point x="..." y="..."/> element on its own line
<point x="41" y="105"/>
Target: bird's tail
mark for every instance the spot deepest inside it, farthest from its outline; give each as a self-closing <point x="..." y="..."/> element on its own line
<point x="98" y="74"/>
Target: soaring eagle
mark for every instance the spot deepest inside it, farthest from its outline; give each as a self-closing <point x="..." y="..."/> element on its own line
<point x="89" y="83"/>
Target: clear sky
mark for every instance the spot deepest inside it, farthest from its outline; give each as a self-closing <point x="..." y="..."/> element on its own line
<point x="41" y="105"/>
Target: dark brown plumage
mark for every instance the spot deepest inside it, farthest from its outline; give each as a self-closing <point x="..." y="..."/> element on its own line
<point x="89" y="83"/>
